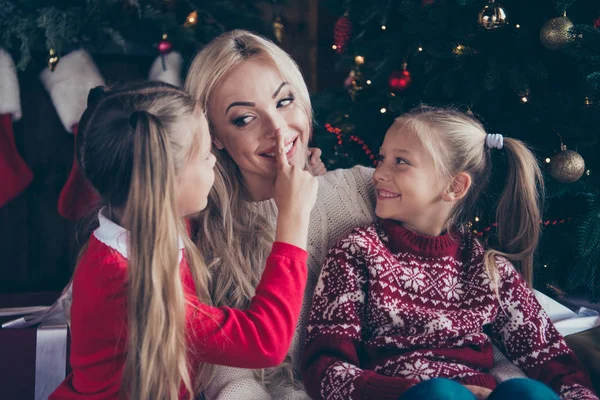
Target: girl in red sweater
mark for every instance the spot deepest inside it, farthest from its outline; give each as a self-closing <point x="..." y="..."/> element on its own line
<point x="141" y="322"/>
<point x="415" y="296"/>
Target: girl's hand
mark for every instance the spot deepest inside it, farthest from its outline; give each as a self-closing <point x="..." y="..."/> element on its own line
<point x="315" y="164"/>
<point x="480" y="393"/>
<point x="295" y="196"/>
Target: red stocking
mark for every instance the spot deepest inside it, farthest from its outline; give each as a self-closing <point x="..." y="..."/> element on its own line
<point x="15" y="176"/>
<point x="78" y="197"/>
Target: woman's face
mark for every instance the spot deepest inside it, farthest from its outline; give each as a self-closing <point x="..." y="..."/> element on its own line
<point x="249" y="105"/>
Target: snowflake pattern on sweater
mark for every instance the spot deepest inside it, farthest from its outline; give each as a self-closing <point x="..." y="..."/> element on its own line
<point x="393" y="308"/>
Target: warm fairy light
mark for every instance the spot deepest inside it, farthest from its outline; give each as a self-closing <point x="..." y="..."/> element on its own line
<point x="476" y="219"/>
<point x="524" y="99"/>
<point x="383" y="27"/>
<point x="547" y="160"/>
<point x="383" y="110"/>
<point x="164" y="36"/>
<point x="517" y="26"/>
<point x="420" y="48"/>
<point x="334" y="47"/>
<point x="359" y="60"/>
<point x="588" y="101"/>
<point x="368" y="81"/>
<point x="588" y="172"/>
<point x="545" y="265"/>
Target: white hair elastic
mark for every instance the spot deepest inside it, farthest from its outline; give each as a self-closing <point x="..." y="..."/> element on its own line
<point x="494" y="141"/>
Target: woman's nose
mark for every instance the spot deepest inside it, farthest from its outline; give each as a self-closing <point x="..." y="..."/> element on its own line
<point x="274" y="124"/>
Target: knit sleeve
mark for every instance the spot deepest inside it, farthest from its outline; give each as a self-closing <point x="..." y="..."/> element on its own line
<point x="235" y="383"/>
<point x="331" y="367"/>
<point x="259" y="336"/>
<point x="532" y="342"/>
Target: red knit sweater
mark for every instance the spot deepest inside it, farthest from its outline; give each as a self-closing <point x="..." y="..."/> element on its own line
<point x="393" y="308"/>
<point x="258" y="337"/>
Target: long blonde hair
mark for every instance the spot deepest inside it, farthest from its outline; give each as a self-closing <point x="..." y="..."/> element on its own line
<point x="133" y="141"/>
<point x="233" y="236"/>
<point x="457" y="143"/>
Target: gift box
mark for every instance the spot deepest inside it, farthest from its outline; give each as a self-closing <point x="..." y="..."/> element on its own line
<point x="34" y="344"/>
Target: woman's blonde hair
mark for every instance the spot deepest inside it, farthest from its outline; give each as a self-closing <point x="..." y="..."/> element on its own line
<point x="233" y="236"/>
<point x="457" y="143"/>
<point x="132" y="143"/>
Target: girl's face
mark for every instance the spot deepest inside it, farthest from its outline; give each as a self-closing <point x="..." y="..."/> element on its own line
<point x="249" y="105"/>
<point x="408" y="187"/>
<point x="197" y="175"/>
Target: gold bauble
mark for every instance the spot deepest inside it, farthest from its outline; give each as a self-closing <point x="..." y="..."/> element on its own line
<point x="492" y="16"/>
<point x="567" y="166"/>
<point x="556" y="33"/>
<point x="52" y="59"/>
<point x="278" y="29"/>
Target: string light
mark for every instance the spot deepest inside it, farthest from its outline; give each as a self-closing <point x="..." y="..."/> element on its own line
<point x="338" y="133"/>
<point x="548" y="222"/>
<point x="359" y="60"/>
<point x="383" y="110"/>
<point x="588" y="102"/>
<point x="517" y="26"/>
<point x="191" y="19"/>
<point x="334" y="47"/>
<point x="368" y="81"/>
<point x="588" y="172"/>
<point x="420" y="48"/>
<point x="524" y="99"/>
<point x="547" y="160"/>
<point x="476" y="219"/>
<point x="383" y="27"/>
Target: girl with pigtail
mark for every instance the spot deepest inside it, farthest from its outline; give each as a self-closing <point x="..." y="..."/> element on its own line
<point x="409" y="306"/>
<point x="142" y="325"/>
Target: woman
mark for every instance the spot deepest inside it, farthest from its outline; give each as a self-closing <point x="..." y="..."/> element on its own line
<point x="252" y="90"/>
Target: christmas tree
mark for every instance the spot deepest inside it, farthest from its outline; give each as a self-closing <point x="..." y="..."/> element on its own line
<point x="527" y="69"/>
<point x="130" y="27"/>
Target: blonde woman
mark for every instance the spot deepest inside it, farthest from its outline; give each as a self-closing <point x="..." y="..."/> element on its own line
<point x="253" y="90"/>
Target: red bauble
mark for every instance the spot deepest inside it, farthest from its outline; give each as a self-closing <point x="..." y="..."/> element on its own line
<point x="597" y="22"/>
<point x="164" y="46"/>
<point x="342" y="32"/>
<point x="399" y="80"/>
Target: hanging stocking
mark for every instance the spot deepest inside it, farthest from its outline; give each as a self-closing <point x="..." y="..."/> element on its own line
<point x="169" y="71"/>
<point x="68" y="86"/>
<point x="15" y="176"/>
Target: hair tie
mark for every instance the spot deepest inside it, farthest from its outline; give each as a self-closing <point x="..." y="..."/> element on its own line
<point x="494" y="141"/>
<point x="133" y="118"/>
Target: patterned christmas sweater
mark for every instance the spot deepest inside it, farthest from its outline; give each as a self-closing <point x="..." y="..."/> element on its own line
<point x="393" y="308"/>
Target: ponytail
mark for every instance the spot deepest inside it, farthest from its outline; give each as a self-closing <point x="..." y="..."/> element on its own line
<point x="156" y="302"/>
<point x="518" y="212"/>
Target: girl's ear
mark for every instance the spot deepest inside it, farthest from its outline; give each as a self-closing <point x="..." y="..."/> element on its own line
<point x="458" y="188"/>
<point x="218" y="144"/>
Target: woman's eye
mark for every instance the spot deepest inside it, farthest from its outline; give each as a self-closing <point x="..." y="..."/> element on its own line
<point x="244" y="120"/>
<point x="285" y="102"/>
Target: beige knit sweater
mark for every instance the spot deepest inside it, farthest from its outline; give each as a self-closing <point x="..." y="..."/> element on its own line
<point x="345" y="200"/>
